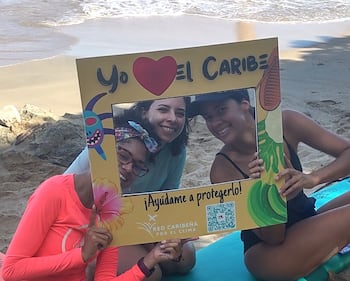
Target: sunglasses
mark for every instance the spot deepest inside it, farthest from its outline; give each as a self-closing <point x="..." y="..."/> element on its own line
<point x="125" y="157"/>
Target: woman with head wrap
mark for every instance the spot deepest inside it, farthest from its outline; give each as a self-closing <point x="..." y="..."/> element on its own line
<point x="57" y="236"/>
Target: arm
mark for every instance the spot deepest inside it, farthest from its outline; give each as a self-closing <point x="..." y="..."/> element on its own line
<point x="186" y="261"/>
<point x="106" y="268"/>
<point x="41" y="212"/>
<point x="107" y="261"/>
<point x="256" y="166"/>
<point x="300" y="128"/>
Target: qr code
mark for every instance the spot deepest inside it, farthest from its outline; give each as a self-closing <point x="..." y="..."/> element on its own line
<point x="221" y="216"/>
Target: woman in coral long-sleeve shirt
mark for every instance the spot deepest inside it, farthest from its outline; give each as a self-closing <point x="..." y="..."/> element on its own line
<point x="57" y="237"/>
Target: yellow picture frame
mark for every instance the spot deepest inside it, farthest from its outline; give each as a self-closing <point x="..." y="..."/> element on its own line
<point x="186" y="211"/>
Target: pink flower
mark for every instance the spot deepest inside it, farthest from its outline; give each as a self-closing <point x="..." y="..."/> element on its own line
<point x="107" y="202"/>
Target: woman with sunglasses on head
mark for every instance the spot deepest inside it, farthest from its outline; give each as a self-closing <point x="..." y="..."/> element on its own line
<point x="310" y="237"/>
<point x="168" y="120"/>
<point x="57" y="236"/>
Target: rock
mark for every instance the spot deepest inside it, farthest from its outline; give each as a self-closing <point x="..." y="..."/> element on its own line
<point x="41" y="134"/>
<point x="58" y="142"/>
<point x="30" y="111"/>
<point x="4" y="131"/>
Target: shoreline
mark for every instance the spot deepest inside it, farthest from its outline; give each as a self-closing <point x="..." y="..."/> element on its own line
<point x="113" y="36"/>
<point x="159" y="33"/>
<point x="52" y="83"/>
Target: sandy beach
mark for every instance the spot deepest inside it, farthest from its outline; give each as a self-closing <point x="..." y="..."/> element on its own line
<point x="314" y="63"/>
<point x="53" y="84"/>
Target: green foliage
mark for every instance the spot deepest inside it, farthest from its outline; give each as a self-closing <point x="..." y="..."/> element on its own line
<point x="265" y="204"/>
<point x="269" y="151"/>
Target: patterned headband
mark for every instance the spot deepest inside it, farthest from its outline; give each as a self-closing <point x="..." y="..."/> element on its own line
<point x="137" y="131"/>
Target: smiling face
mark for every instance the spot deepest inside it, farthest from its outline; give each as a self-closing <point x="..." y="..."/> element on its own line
<point x="167" y="116"/>
<point x="225" y="119"/>
<point x="132" y="156"/>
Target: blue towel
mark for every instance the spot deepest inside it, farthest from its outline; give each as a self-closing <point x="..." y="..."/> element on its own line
<point x="223" y="259"/>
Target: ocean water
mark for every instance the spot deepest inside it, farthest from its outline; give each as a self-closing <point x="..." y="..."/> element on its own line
<point x="31" y="29"/>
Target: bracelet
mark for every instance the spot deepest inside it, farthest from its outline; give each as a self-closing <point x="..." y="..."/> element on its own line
<point x="145" y="270"/>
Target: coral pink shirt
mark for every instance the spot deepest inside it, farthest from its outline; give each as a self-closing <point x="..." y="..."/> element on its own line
<point x="48" y="240"/>
<point x="2" y="256"/>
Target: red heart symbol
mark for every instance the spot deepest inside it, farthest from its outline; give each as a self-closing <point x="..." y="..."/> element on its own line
<point x="155" y="76"/>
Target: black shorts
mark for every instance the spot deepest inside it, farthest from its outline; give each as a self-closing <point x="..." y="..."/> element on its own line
<point x="298" y="208"/>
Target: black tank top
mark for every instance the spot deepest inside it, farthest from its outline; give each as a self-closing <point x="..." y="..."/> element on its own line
<point x="233" y="164"/>
<point x="299" y="208"/>
<point x="294" y="158"/>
